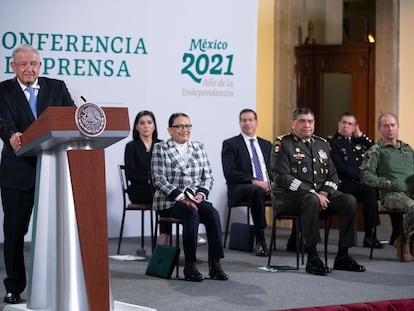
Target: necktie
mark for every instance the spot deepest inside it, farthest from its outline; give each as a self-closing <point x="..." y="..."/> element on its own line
<point x="256" y="162"/>
<point x="32" y="100"/>
<point x="307" y="143"/>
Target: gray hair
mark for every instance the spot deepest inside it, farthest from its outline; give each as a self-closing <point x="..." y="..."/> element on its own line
<point x="382" y="115"/>
<point x="24" y="48"/>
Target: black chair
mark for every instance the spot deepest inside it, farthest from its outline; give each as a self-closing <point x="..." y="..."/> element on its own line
<point x="382" y="211"/>
<point x="230" y="207"/>
<point x="239" y="204"/>
<point x="298" y="231"/>
<point x="133" y="207"/>
<point x="299" y="240"/>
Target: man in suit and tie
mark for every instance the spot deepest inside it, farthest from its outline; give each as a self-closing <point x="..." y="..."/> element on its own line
<point x="246" y="162"/>
<point x="22" y="99"/>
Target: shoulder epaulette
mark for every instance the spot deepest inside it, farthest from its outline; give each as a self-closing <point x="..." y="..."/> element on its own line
<point x="320" y="138"/>
<point x="281" y="136"/>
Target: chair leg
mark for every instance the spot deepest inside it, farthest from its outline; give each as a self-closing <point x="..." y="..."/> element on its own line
<point x="327" y="228"/>
<point x="248" y="215"/>
<point x="272" y="241"/>
<point x="152" y="230"/>
<point x="227" y="227"/>
<point x="297" y="229"/>
<point x="121" y="232"/>
<point x="177" y="244"/>
<point x="373" y="235"/>
<point x="154" y="240"/>
<point x="302" y="243"/>
<point x="142" y="229"/>
<point x="403" y="241"/>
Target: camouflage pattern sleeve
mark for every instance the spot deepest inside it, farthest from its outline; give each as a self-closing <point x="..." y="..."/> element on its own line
<point x="369" y="168"/>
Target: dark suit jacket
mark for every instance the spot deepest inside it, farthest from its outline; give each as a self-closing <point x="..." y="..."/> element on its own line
<point x="137" y="169"/>
<point x="237" y="166"/>
<point x="19" y="173"/>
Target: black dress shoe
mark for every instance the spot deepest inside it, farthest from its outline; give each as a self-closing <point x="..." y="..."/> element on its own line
<point x="192" y="274"/>
<point x="372" y="244"/>
<point x="347" y="263"/>
<point x="12" y="298"/>
<point x="218" y="275"/>
<point x="314" y="265"/>
<point x="325" y="267"/>
<point x="261" y="249"/>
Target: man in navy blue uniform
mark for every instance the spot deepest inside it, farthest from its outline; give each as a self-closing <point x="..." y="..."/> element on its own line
<point x="348" y="146"/>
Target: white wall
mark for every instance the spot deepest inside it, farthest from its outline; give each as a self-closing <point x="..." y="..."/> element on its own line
<point x="161" y="32"/>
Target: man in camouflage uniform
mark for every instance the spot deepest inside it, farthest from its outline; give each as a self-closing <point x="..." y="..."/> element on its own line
<point x="348" y="146"/>
<point x="386" y="166"/>
<point x="305" y="183"/>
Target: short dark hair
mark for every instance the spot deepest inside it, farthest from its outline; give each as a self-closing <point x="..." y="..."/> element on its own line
<point x="248" y="110"/>
<point x="347" y="114"/>
<point x="174" y="116"/>
<point x="301" y="110"/>
<point x="135" y="133"/>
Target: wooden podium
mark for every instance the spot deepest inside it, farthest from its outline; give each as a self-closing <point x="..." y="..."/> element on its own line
<point x="69" y="267"/>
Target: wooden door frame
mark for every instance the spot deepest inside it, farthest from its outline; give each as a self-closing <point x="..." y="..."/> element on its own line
<point x="357" y="59"/>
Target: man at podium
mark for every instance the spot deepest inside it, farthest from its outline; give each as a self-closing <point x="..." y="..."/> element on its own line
<point x="22" y="100"/>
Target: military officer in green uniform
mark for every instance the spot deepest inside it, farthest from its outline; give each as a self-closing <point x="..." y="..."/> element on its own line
<point x="387" y="166"/>
<point x="305" y="183"/>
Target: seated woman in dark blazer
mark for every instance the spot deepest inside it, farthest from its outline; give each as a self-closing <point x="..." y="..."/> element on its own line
<point x="137" y="159"/>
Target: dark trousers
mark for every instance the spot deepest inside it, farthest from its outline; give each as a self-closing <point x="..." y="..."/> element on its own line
<point x="368" y="196"/>
<point x="191" y="218"/>
<point x="256" y="196"/>
<point x="17" y="209"/>
<point x="307" y="205"/>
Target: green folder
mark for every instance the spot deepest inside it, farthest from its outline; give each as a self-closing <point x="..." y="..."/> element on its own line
<point x="162" y="261"/>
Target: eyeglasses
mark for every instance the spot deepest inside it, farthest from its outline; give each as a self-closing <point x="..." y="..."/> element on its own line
<point x="182" y="127"/>
<point x="24" y="65"/>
